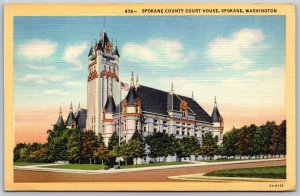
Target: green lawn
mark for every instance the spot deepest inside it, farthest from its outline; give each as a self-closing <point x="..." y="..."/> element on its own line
<point x="278" y="172"/>
<point x="153" y="164"/>
<point x="78" y="166"/>
<point x="98" y="166"/>
<point x="27" y="163"/>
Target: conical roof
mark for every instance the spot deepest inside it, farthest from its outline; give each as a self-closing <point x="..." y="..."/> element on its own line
<point x="216" y="116"/>
<point x="116" y="52"/>
<point x="131" y="96"/>
<point x="110" y="105"/>
<point x="60" y="120"/>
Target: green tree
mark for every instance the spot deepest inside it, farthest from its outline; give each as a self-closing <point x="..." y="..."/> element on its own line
<point x="282" y="141"/>
<point x="209" y="145"/>
<point x="40" y="155"/>
<point x="190" y="146"/>
<point x="17" y="149"/>
<point x="101" y="153"/>
<point x="158" y="144"/>
<point x="229" y="140"/>
<point x="114" y="141"/>
<point x="131" y="150"/>
<point x="89" y="144"/>
<point x="74" y="145"/>
<point x="57" y="142"/>
<point x="24" y="154"/>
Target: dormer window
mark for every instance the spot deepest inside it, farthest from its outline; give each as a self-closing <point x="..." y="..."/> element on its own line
<point x="184" y="108"/>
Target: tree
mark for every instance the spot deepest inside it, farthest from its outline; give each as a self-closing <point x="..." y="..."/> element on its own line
<point x="113" y="141"/>
<point x="229" y="140"/>
<point x="190" y="146"/>
<point x="57" y="142"/>
<point x="24" y="154"/>
<point x="240" y="146"/>
<point x="40" y="155"/>
<point x="158" y="144"/>
<point x="209" y="145"/>
<point x="101" y="152"/>
<point x="89" y="144"/>
<point x="74" y="146"/>
<point x="131" y="150"/>
<point x="17" y="149"/>
<point x="282" y="136"/>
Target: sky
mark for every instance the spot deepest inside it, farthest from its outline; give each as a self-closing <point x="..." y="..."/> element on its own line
<point x="238" y="59"/>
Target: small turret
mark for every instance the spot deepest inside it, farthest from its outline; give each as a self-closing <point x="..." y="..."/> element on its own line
<point x="110" y="106"/>
<point x="216" y="116"/>
<point x="132" y="95"/>
<point x="70" y="118"/>
<point x="60" y="120"/>
<point x="116" y="52"/>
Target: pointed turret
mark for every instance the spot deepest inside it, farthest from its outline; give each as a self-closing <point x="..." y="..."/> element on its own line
<point x="170" y="99"/>
<point x="132" y="95"/>
<point x="110" y="106"/>
<point x="136" y="82"/>
<point x="70" y="118"/>
<point x="216" y="117"/>
<point x="116" y="52"/>
<point x="60" y="120"/>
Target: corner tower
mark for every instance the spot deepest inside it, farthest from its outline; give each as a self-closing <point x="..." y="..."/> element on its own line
<point x="218" y="123"/>
<point x="103" y="77"/>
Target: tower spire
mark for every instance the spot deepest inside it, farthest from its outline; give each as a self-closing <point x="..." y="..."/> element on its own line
<point x="60" y="112"/>
<point x="71" y="107"/>
<point x="215" y="101"/>
<point x="193" y="95"/>
<point x="172" y="89"/>
<point x="132" y="79"/>
<point x="137" y="81"/>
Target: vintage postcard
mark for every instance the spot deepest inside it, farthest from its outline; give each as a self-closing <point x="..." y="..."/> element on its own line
<point x="150" y="97"/>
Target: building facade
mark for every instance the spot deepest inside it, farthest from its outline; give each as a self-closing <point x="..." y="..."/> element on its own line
<point x="144" y="109"/>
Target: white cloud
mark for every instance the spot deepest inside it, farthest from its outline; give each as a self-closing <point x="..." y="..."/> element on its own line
<point x="255" y="92"/>
<point x="72" y="84"/>
<point x="158" y="52"/>
<point x="28" y="77"/>
<point x="234" y="50"/>
<point x="40" y="67"/>
<point x="73" y="54"/>
<point x="42" y="78"/>
<point x="37" y="48"/>
<point x="56" y="92"/>
<point x="274" y="71"/>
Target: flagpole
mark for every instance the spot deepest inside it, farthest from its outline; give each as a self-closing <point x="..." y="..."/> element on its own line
<point x="120" y="92"/>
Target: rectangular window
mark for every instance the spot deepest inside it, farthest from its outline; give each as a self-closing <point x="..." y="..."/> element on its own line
<point x="136" y="125"/>
<point x="145" y="128"/>
<point x="177" y="132"/>
<point x="155" y="130"/>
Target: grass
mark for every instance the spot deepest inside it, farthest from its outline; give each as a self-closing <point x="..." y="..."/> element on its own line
<point x="98" y="166"/>
<point x="27" y="163"/>
<point x="278" y="172"/>
<point x="78" y="166"/>
<point x="153" y="164"/>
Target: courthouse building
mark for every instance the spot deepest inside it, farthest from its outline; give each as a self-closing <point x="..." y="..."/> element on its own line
<point x="146" y="109"/>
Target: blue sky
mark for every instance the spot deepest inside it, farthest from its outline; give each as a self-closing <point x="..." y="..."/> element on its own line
<point x="239" y="59"/>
